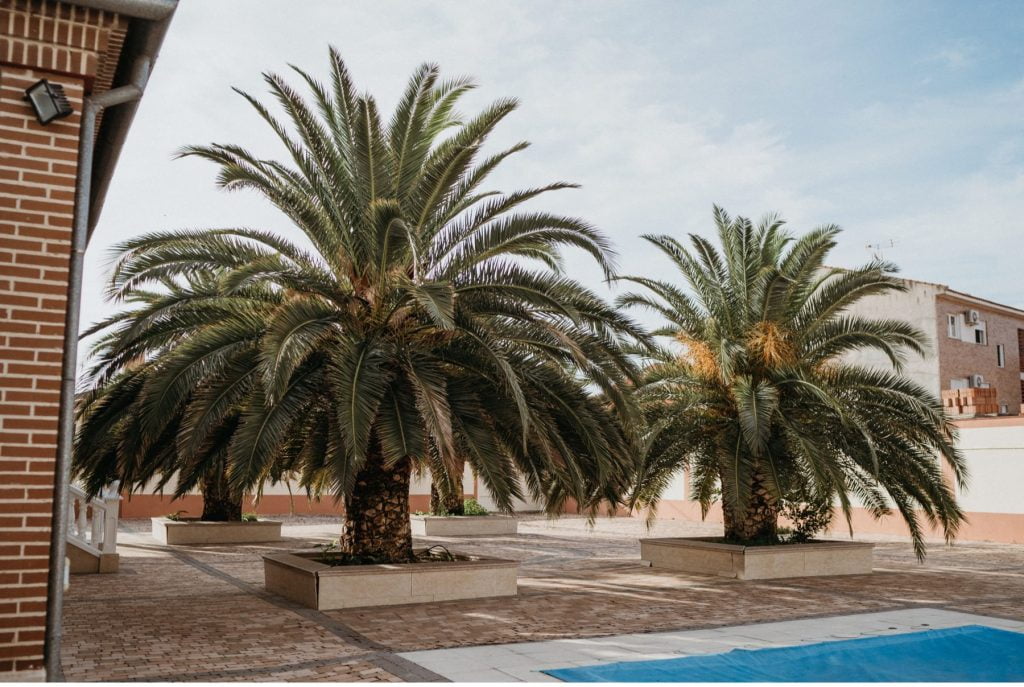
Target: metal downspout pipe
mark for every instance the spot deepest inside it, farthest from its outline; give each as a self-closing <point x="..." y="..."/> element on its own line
<point x="66" y="416"/>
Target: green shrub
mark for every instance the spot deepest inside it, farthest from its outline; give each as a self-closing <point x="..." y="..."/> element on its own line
<point x="249" y="517"/>
<point x="473" y="507"/>
<point x="176" y="516"/>
<point x="809" y="517"/>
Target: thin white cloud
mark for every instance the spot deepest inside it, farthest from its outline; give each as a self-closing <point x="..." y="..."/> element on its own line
<point x="957" y="56"/>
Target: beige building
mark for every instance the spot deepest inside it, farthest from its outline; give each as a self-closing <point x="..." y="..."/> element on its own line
<point x="973" y="343"/>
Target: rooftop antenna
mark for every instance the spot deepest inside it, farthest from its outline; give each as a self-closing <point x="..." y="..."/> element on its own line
<point x="877" y="249"/>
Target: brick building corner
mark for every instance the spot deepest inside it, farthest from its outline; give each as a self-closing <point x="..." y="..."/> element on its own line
<point x="80" y="46"/>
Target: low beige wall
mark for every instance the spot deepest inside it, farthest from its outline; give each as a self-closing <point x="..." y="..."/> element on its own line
<point x="184" y="532"/>
<point x="814" y="559"/>
<point x="462" y="525"/>
<point x="297" y="576"/>
<point x="1006" y="528"/>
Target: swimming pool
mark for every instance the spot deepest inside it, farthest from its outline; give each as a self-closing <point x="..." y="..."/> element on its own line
<point x="971" y="653"/>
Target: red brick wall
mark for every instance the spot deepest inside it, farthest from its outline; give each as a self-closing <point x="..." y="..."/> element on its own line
<point x="959" y="359"/>
<point x="72" y="47"/>
<point x="1020" y="354"/>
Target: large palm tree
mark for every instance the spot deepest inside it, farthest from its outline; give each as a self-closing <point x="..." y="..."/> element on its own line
<point x="755" y="397"/>
<point x="421" y="321"/>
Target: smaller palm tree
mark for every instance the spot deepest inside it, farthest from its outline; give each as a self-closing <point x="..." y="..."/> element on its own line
<point x="128" y="427"/>
<point x="447" y="496"/>
<point x="755" y="395"/>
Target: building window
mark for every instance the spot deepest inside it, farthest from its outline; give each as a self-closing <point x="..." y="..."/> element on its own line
<point x="953" y="326"/>
<point x="980" y="336"/>
<point x="1000" y="355"/>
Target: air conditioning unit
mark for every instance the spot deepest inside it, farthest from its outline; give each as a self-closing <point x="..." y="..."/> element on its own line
<point x="977" y="381"/>
<point x="972" y="317"/>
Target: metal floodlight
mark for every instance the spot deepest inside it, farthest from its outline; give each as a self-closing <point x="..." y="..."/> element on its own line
<point x="48" y="101"/>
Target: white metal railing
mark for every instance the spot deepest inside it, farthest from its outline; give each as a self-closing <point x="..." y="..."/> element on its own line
<point x="92" y="522"/>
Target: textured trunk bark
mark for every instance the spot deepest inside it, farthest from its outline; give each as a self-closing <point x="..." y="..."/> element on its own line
<point x="758" y="523"/>
<point x="219" y="504"/>
<point x="444" y="503"/>
<point x="377" y="513"/>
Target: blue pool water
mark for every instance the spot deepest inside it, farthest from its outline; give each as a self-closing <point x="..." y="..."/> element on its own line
<point x="972" y="653"/>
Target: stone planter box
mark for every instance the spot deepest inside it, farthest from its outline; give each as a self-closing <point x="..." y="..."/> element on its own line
<point x="462" y="525"/>
<point x="191" y="531"/>
<point x="758" y="562"/>
<point x="300" y="577"/>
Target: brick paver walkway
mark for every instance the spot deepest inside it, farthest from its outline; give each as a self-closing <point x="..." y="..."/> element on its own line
<point x="200" y="613"/>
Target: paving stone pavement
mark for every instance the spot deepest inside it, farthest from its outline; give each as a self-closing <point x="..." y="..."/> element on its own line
<point x="201" y="613"/>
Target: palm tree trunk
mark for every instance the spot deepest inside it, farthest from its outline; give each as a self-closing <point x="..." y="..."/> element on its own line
<point x="377" y="512"/>
<point x="445" y="500"/>
<point x="758" y="521"/>
<point x="219" y="503"/>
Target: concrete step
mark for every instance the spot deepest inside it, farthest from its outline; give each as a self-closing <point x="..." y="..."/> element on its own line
<point x="86" y="561"/>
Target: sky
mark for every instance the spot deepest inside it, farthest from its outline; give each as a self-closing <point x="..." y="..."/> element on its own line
<point x="901" y="122"/>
